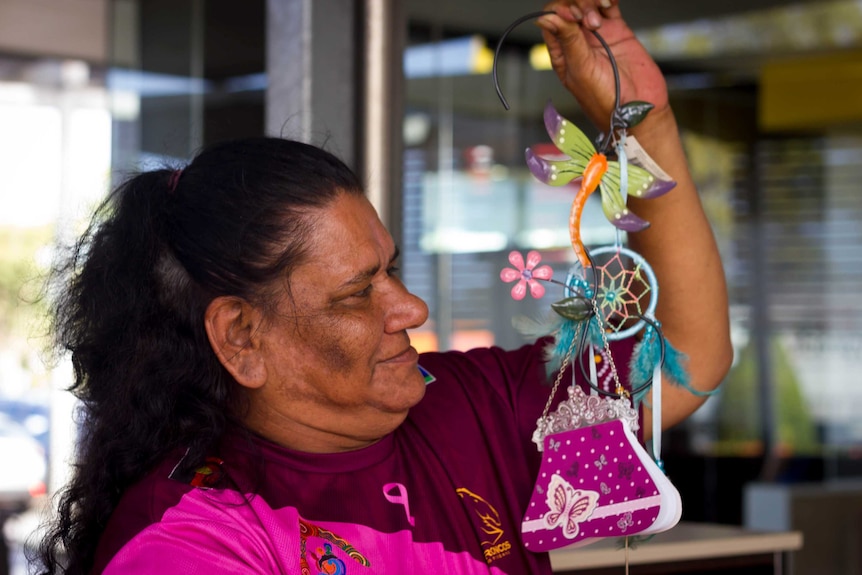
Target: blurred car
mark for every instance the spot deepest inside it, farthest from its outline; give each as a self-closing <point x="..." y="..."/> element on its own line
<point x="23" y="470"/>
<point x="33" y="415"/>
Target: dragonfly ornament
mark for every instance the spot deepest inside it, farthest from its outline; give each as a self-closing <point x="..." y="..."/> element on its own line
<point x="589" y="166"/>
<point x="591" y="170"/>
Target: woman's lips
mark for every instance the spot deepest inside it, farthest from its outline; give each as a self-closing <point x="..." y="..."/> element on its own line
<point x="409" y="355"/>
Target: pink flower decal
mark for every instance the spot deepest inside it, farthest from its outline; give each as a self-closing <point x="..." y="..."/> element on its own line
<point x="526" y="275"/>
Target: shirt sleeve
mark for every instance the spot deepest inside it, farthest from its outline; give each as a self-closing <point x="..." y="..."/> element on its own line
<point x="209" y="532"/>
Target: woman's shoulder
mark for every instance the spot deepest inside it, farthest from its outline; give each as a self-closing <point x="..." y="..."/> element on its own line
<point x="221" y="528"/>
<point x="172" y="486"/>
<point x="140" y="506"/>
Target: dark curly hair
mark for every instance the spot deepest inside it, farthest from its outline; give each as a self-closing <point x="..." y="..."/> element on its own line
<point x="129" y="302"/>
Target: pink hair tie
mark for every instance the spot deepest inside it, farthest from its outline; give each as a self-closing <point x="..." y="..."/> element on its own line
<point x="175" y="177"/>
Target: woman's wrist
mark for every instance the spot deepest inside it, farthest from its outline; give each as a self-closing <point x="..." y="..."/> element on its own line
<point x="655" y="128"/>
<point x="659" y="136"/>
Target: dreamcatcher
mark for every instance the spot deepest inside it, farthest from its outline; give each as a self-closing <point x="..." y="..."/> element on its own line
<point x="596" y="480"/>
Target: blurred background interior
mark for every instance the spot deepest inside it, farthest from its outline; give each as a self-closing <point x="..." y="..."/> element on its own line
<point x="769" y="97"/>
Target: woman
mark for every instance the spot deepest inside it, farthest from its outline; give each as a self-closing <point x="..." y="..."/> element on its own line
<point x="252" y="401"/>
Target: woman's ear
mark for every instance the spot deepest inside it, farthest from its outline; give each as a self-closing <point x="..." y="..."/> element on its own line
<point x="232" y="326"/>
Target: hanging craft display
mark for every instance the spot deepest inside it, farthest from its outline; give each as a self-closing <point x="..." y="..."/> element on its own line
<point x="596" y="480"/>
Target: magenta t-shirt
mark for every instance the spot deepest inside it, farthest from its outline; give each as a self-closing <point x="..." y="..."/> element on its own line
<point x="444" y="493"/>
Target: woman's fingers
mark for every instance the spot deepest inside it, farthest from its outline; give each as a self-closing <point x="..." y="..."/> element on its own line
<point x="567" y="44"/>
<point x="589" y="13"/>
<point x="610" y="9"/>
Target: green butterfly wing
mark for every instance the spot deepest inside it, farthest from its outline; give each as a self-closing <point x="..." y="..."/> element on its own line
<point x="567" y="136"/>
<point x="640" y="182"/>
<point x="573" y="142"/>
<point x="562" y="172"/>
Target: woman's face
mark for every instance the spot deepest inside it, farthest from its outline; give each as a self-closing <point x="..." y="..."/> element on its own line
<point x="341" y="372"/>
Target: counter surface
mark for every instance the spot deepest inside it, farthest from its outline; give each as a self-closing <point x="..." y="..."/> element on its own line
<point x="685" y="542"/>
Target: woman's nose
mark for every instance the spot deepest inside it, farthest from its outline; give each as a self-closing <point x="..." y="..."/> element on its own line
<point x="407" y="312"/>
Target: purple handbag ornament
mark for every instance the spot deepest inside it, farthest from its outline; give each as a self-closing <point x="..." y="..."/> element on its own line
<point x="596" y="480"/>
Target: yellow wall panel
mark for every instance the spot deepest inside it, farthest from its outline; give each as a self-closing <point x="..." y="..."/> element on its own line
<point x="811" y="93"/>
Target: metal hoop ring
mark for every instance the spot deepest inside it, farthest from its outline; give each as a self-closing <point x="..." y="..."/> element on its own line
<point x="576" y="283"/>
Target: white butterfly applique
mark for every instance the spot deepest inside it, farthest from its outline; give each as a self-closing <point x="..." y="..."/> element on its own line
<point x="568" y="506"/>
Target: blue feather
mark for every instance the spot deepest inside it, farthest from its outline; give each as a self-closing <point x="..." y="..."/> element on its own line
<point x="645" y="356"/>
<point x="673" y="367"/>
<point x="555" y="352"/>
<point x="596" y="333"/>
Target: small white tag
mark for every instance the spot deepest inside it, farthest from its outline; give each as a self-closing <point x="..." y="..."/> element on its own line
<point x="637" y="155"/>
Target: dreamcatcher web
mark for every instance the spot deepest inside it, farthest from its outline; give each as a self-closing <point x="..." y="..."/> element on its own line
<point x="624" y="287"/>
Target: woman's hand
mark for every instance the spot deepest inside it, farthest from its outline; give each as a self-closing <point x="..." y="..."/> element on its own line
<point x="582" y="63"/>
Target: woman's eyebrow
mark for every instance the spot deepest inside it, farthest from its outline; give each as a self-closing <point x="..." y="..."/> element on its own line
<point x="365" y="275"/>
<point x="360" y="278"/>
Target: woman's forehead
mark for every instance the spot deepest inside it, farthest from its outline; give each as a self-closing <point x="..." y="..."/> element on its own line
<point x="348" y="234"/>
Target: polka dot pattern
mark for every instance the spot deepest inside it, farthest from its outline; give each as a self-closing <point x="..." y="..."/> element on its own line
<point x="606" y="492"/>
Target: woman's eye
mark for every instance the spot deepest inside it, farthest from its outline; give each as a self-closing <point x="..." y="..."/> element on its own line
<point x="391" y="271"/>
<point x="363" y="293"/>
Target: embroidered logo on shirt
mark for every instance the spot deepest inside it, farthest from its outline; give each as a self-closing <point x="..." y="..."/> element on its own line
<point x="324" y="557"/>
<point x="427" y="375"/>
<point x="206" y="476"/>
<point x="490" y="525"/>
<point x="327" y="562"/>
